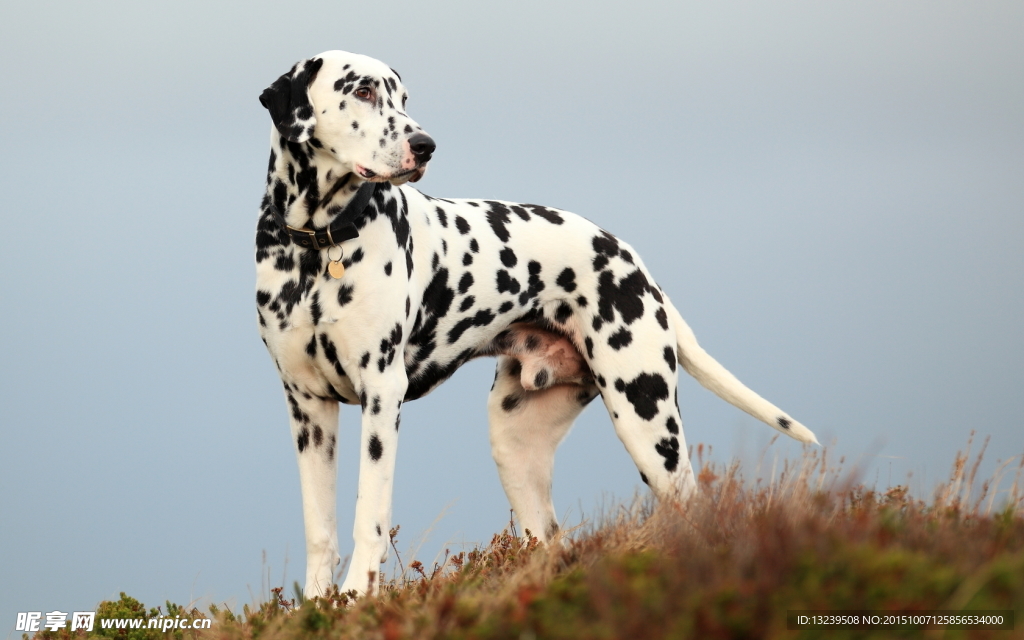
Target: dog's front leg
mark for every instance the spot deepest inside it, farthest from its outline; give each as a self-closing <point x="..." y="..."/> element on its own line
<point x="314" y="424"/>
<point x="381" y="398"/>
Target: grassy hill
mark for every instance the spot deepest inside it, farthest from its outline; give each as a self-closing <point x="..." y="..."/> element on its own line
<point x="729" y="564"/>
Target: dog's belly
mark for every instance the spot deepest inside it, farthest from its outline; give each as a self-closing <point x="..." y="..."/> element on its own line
<point x="483" y="265"/>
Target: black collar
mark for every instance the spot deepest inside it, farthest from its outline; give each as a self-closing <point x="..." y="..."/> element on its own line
<point x="343" y="228"/>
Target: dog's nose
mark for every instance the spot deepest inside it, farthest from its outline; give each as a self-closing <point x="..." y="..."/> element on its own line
<point x="422" y="146"/>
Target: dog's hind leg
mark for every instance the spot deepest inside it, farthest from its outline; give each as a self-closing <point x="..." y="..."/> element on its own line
<point x="314" y="424"/>
<point x="526" y="428"/>
<point x="652" y="434"/>
<point x="636" y="368"/>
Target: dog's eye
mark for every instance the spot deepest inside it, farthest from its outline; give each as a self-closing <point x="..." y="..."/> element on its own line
<point x="364" y="93"/>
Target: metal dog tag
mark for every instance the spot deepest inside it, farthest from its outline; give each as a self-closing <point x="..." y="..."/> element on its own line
<point x="336" y="269"/>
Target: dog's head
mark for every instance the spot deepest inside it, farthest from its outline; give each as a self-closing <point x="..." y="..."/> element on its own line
<point x="351" y="108"/>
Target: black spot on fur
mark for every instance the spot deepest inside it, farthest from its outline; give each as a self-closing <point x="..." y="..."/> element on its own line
<point x="365" y="360"/>
<point x="344" y="295"/>
<point x="644" y="392"/>
<point x="515" y="368"/>
<point x="467" y="259"/>
<point x="624" y="297"/>
<point x="548" y="214"/>
<point x="303" y="440"/>
<point x="540" y="379"/>
<point x="563" y="313"/>
<point x="461" y="225"/>
<point x="331" y="353"/>
<point x="509" y="403"/>
<point x="784" y="423"/>
<point x="668" y="448"/>
<point x="497" y="217"/>
<point x="376" y="448"/>
<point x="567" y="280"/>
<point x="467" y="302"/>
<point x="644" y="478"/>
<point x="672" y="425"/>
<point x="438" y="297"/>
<point x="318" y="435"/>
<point x="507" y="283"/>
<point x="289" y="296"/>
<point x="662" y="318"/>
<point x="508" y="257"/>
<point x="460" y="327"/>
<point x="621" y="338"/>
<point x="670" y="357"/>
<point x="590" y="347"/>
<point x="606" y="244"/>
<point x="387" y="268"/>
<point x="465" y="282"/>
<point x="482" y="318"/>
<point x="506" y="306"/>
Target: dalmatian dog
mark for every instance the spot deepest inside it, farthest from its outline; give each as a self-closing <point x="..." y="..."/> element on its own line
<point x="372" y="293"/>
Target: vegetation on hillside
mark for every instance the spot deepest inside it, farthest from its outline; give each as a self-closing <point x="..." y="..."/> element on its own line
<point x="729" y="564"/>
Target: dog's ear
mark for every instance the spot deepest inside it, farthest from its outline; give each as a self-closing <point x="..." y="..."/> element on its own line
<point x="288" y="102"/>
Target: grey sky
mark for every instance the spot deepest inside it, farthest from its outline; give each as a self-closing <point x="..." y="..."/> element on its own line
<point x="831" y="193"/>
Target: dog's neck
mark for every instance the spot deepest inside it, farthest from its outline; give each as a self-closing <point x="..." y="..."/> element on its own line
<point x="307" y="186"/>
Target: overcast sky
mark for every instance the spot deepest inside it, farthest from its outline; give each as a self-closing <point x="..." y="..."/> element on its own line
<point x="832" y="194"/>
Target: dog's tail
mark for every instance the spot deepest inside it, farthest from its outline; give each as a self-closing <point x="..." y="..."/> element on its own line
<point x="717" y="378"/>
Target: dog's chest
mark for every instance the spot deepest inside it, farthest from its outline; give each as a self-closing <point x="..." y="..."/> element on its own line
<point x="316" y="326"/>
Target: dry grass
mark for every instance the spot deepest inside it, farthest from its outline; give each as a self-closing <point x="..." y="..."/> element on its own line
<point x="728" y="564"/>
